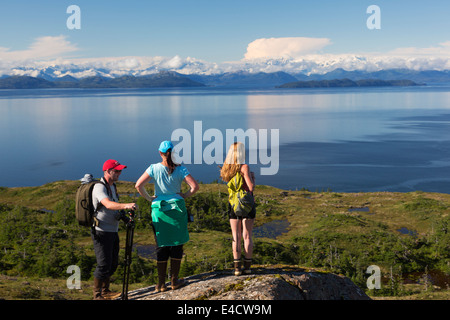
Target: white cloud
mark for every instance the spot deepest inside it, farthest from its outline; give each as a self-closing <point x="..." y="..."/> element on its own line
<point x="174" y="63"/>
<point x="292" y="55"/>
<point x="302" y="55"/>
<point x="47" y="47"/>
<point x="440" y="51"/>
<point x="293" y="47"/>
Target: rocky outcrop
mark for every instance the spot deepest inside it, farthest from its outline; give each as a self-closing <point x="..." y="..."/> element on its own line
<point x="284" y="283"/>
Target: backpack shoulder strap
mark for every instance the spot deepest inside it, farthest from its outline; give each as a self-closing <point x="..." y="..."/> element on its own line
<point x="115" y="190"/>
<point x="109" y="190"/>
<point x="238" y="180"/>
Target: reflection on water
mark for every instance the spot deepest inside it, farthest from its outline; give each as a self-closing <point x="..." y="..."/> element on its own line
<point x="362" y="209"/>
<point x="271" y="229"/>
<point x="404" y="230"/>
<point x="147" y="251"/>
<point x="379" y="139"/>
<point x="434" y="277"/>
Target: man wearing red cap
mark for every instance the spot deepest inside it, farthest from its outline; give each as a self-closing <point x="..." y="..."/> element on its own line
<point x="105" y="236"/>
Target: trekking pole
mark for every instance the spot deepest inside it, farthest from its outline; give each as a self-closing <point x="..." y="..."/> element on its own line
<point x="128" y="252"/>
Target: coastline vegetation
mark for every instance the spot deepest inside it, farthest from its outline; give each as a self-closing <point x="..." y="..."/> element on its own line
<point x="405" y="234"/>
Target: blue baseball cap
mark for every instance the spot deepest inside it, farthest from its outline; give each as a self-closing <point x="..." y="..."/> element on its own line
<point x="165" y="145"/>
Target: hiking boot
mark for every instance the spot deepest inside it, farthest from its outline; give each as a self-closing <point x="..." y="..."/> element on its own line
<point x="237" y="267"/>
<point x="247" y="264"/>
<point x="98" y="284"/>
<point x="106" y="292"/>
<point x="174" y="271"/>
<point x="162" y="268"/>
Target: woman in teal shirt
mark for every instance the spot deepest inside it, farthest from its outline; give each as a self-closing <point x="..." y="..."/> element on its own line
<point x="169" y="214"/>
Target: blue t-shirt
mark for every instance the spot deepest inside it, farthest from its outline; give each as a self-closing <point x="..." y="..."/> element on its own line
<point x="167" y="186"/>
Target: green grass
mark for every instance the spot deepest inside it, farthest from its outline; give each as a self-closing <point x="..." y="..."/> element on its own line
<point x="37" y="244"/>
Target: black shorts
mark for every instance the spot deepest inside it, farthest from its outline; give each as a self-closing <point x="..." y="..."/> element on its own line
<point x="164" y="253"/>
<point x="250" y="215"/>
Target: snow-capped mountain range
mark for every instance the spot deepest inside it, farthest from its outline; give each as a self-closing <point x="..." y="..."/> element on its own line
<point x="279" y="70"/>
<point x="141" y="66"/>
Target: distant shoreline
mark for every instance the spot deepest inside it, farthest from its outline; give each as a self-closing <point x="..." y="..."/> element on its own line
<point x="129" y="186"/>
<point x="175" y="80"/>
<point x="345" y="83"/>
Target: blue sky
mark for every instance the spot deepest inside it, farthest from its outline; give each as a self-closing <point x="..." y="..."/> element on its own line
<point x="210" y="36"/>
<point x="220" y="31"/>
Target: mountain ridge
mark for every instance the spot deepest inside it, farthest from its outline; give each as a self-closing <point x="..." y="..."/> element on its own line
<point x="354" y="67"/>
<point x="240" y="79"/>
<point x="162" y="79"/>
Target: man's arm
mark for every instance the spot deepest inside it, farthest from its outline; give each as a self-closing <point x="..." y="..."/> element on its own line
<point x="101" y="195"/>
<point x="112" y="205"/>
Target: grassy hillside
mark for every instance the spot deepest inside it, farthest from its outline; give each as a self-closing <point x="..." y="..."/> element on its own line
<point x="405" y="234"/>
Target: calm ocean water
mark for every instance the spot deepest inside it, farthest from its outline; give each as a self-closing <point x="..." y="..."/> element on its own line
<point x="346" y="140"/>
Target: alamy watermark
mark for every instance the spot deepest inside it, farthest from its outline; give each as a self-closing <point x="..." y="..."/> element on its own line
<point x="74" y="281"/>
<point x="260" y="150"/>
<point x="74" y="20"/>
<point x="374" y="20"/>
<point x="374" y="281"/>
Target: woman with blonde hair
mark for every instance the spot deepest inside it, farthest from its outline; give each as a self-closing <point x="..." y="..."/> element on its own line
<point x="241" y="226"/>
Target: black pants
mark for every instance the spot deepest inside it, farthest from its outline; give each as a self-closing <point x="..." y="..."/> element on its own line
<point x="106" y="247"/>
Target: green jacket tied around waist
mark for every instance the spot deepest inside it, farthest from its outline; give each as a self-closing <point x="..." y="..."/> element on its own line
<point x="169" y="218"/>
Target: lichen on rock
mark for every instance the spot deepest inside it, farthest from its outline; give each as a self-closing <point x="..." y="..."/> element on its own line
<point x="265" y="283"/>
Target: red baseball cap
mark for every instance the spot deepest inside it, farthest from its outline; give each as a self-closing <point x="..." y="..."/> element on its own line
<point x="113" y="164"/>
